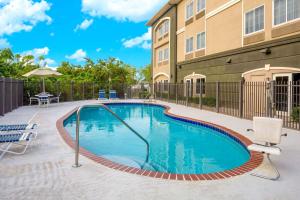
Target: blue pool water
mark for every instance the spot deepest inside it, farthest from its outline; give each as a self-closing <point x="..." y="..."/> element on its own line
<point x="175" y="146"/>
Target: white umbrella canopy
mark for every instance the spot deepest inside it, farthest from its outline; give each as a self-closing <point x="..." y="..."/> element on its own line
<point x="42" y="72"/>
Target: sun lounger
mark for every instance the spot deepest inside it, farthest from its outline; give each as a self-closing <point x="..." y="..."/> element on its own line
<point x="8" y="140"/>
<point x="17" y="127"/>
<point x="102" y="95"/>
<point x="113" y="94"/>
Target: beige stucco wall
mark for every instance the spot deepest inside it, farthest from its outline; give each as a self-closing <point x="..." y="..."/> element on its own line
<point x="224" y="30"/>
<point x="213" y="4"/>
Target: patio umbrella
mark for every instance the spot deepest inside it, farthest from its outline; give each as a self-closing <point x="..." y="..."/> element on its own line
<point x="42" y="72"/>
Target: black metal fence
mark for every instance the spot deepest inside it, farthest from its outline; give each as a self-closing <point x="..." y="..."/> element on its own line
<point x="239" y="99"/>
<point x="11" y="94"/>
<point x="75" y="91"/>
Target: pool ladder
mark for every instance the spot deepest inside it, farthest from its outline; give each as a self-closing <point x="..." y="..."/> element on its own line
<point x="76" y="164"/>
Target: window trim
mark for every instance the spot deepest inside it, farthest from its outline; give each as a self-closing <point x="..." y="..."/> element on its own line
<point x="197" y="41"/>
<point x="199" y="11"/>
<point x="250" y="10"/>
<point x="187" y="3"/>
<point x="187" y="38"/>
<point x="283" y="23"/>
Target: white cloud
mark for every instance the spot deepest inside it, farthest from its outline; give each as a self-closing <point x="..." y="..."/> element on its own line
<point x="79" y="55"/>
<point x="122" y="10"/>
<point x="84" y="25"/>
<point x="52" y="34"/>
<point x="98" y="49"/>
<point x="22" y="15"/>
<point x="4" y="43"/>
<point x="37" y="52"/>
<point x="143" y="41"/>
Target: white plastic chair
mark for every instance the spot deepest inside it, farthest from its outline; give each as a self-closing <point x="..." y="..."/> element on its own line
<point x="267" y="131"/>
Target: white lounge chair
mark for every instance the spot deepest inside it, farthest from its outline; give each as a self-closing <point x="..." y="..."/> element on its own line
<point x="31" y="99"/>
<point x="267" y="134"/>
<point x="55" y="98"/>
<point x="8" y="140"/>
<point x="17" y="127"/>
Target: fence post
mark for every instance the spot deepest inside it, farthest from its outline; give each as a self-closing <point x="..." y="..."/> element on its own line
<point x="176" y="91"/>
<point x="83" y="95"/>
<point x="241" y="100"/>
<point x="200" y="94"/>
<point x="186" y="93"/>
<point x="2" y="95"/>
<point x="71" y="92"/>
<point x="168" y="92"/>
<point x="93" y="90"/>
<point x="217" y="96"/>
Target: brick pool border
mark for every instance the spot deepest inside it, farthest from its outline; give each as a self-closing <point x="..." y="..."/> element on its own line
<point x="254" y="161"/>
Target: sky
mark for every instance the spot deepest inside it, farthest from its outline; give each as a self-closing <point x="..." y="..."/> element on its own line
<point x="70" y="30"/>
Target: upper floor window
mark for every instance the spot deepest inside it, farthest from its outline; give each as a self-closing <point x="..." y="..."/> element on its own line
<point x="189" y="10"/>
<point x="200" y="5"/>
<point x="166" y="54"/>
<point x="163" y="55"/>
<point x="189" y="45"/>
<point x="164" y="28"/>
<point x="201" y="40"/>
<point x="160" y="56"/>
<point x="286" y="10"/>
<point x="254" y="20"/>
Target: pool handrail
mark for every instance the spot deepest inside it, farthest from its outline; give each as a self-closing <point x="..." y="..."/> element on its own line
<point x="116" y="116"/>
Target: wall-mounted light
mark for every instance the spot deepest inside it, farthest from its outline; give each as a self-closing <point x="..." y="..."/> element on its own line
<point x="266" y="51"/>
<point x="229" y="60"/>
<point x="179" y="66"/>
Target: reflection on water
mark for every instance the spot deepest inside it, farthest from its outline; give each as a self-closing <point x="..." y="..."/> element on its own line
<point x="175" y="146"/>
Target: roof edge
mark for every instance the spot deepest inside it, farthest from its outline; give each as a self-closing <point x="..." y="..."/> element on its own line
<point x="162" y="11"/>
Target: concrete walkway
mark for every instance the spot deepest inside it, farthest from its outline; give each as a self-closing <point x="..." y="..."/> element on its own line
<point x="45" y="171"/>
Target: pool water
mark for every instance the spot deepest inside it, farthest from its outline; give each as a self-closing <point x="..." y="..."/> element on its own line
<point x="175" y="146"/>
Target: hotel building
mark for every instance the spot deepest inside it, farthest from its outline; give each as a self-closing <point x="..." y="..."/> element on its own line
<point x="226" y="40"/>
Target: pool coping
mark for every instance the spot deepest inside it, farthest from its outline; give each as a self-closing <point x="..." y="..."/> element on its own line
<point x="255" y="160"/>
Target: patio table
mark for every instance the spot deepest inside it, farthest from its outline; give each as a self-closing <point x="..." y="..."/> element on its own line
<point x="44" y="98"/>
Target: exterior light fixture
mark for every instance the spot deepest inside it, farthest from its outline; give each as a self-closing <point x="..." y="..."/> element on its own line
<point x="229" y="60"/>
<point x="266" y="51"/>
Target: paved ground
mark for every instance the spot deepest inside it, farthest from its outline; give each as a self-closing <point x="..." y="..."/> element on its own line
<point x="45" y="171"/>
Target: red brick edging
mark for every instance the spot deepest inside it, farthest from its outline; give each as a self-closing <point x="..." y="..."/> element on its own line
<point x="254" y="161"/>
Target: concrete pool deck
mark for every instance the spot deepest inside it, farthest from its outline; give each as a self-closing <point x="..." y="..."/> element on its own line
<point x="45" y="170"/>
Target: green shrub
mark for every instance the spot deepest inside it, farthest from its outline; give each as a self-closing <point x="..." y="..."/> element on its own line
<point x="209" y="101"/>
<point x="295" y="113"/>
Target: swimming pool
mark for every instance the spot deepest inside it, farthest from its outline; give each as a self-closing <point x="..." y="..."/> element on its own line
<point x="177" y="145"/>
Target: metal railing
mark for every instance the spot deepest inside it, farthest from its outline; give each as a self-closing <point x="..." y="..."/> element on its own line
<point x="238" y="99"/>
<point x="77" y="147"/>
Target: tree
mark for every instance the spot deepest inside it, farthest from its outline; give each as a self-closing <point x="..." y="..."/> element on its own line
<point x="145" y="74"/>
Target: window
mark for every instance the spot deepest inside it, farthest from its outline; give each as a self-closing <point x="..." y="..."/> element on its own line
<point x="166" y="54"/>
<point x="166" y="24"/>
<point x="189" y="45"/>
<point x="198" y="80"/>
<point x="164" y="28"/>
<point x="255" y="20"/>
<point x="201" y="40"/>
<point x="200" y="5"/>
<point x="160" y="56"/>
<point x="163" y="55"/>
<point x="189" y="10"/>
<point x="286" y="10"/>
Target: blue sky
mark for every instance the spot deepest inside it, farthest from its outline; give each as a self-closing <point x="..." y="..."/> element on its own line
<point x="70" y="30"/>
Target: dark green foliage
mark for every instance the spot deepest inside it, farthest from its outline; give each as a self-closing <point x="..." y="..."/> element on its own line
<point x="296" y="114"/>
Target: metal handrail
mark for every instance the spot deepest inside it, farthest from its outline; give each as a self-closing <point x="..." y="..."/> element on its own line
<point x="116" y="116"/>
